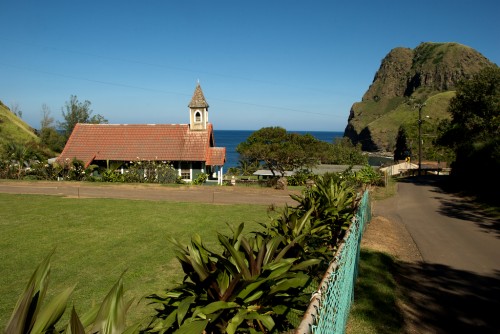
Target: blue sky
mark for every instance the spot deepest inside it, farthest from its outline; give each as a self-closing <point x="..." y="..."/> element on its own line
<point x="295" y="64"/>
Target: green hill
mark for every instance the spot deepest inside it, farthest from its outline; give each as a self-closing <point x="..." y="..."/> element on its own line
<point x="427" y="74"/>
<point x="14" y="130"/>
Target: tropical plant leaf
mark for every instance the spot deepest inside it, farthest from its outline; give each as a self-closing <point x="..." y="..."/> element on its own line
<point x="21" y="313"/>
<point x="236" y="321"/>
<point x="265" y="319"/>
<point x="28" y="305"/>
<point x="300" y="280"/>
<point x="111" y="316"/>
<point x="250" y="288"/>
<point x="89" y="317"/>
<point x="236" y="256"/>
<point x="193" y="327"/>
<point x="183" y="308"/>
<point x="305" y="264"/>
<point x="50" y="314"/>
<point x="213" y="308"/>
<point x="75" y="326"/>
<point x="271" y="247"/>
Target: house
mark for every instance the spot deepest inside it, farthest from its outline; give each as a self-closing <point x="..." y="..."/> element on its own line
<point x="190" y="148"/>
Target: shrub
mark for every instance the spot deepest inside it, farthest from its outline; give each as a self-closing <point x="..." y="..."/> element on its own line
<point x="200" y="178"/>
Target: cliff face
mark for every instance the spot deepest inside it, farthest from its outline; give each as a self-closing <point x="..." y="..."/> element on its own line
<point x="417" y="74"/>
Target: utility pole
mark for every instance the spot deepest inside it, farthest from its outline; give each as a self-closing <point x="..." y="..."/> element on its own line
<point x="420" y="106"/>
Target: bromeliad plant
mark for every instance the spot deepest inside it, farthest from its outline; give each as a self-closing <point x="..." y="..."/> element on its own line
<point x="331" y="205"/>
<point x="252" y="287"/>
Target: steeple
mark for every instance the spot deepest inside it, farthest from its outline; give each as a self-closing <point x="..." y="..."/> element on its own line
<point x="198" y="99"/>
<point x="198" y="110"/>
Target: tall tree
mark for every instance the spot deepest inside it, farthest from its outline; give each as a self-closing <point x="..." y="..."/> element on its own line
<point x="78" y="112"/>
<point x="47" y="120"/>
<point x="474" y="130"/>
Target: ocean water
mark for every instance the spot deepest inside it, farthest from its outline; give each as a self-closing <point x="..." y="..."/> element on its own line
<point x="231" y="138"/>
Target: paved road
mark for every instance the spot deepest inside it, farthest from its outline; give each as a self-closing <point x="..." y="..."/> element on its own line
<point x="200" y="194"/>
<point x="456" y="289"/>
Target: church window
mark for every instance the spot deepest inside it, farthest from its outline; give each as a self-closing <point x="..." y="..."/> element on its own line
<point x="185" y="171"/>
<point x="197" y="117"/>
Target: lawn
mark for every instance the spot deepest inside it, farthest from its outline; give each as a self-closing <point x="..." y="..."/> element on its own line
<point x="96" y="240"/>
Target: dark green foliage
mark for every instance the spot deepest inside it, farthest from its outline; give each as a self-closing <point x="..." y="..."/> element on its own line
<point x="402" y="150"/>
<point x="280" y="151"/>
<point x="474" y="130"/>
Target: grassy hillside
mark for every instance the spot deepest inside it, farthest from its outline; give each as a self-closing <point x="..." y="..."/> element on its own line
<point x="384" y="117"/>
<point x="14" y="129"/>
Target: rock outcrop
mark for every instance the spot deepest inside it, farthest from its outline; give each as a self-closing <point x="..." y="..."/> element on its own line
<point x="409" y="74"/>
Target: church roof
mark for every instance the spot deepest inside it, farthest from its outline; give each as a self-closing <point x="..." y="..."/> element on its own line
<point x="133" y="142"/>
<point x="198" y="99"/>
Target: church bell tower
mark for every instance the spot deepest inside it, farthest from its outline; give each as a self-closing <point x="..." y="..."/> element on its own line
<point x="198" y="110"/>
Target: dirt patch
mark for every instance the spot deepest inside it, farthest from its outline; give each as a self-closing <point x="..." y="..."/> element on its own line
<point x="387" y="236"/>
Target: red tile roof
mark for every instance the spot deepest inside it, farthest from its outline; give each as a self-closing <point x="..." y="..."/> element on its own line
<point x="131" y="142"/>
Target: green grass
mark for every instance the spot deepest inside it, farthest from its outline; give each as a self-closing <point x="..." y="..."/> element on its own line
<point x="387" y="191"/>
<point x="375" y="308"/>
<point x="96" y="240"/>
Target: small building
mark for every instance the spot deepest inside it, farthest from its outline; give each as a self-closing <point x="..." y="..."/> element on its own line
<point x="263" y="174"/>
<point x="190" y="148"/>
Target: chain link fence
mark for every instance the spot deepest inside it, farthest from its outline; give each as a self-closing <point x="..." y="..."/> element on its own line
<point x="330" y="304"/>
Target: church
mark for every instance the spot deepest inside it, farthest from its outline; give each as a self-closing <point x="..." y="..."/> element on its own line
<point x="189" y="148"/>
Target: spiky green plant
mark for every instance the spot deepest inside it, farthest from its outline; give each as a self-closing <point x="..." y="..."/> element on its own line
<point x="331" y="204"/>
<point x="252" y="286"/>
<point x="34" y="315"/>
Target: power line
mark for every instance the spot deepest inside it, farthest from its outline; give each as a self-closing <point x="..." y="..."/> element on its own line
<point x="117" y="84"/>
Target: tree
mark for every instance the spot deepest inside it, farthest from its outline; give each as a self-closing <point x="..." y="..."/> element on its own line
<point x="16" y="110"/>
<point x="281" y="151"/>
<point x="78" y="112"/>
<point x="47" y="120"/>
<point x="344" y="152"/>
<point x="474" y="129"/>
<point x="48" y="133"/>
<point x="402" y="151"/>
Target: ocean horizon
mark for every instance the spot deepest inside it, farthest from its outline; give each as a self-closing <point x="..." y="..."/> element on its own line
<point x="231" y="138"/>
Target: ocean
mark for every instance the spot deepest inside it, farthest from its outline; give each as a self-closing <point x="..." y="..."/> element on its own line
<point x="231" y="138"/>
